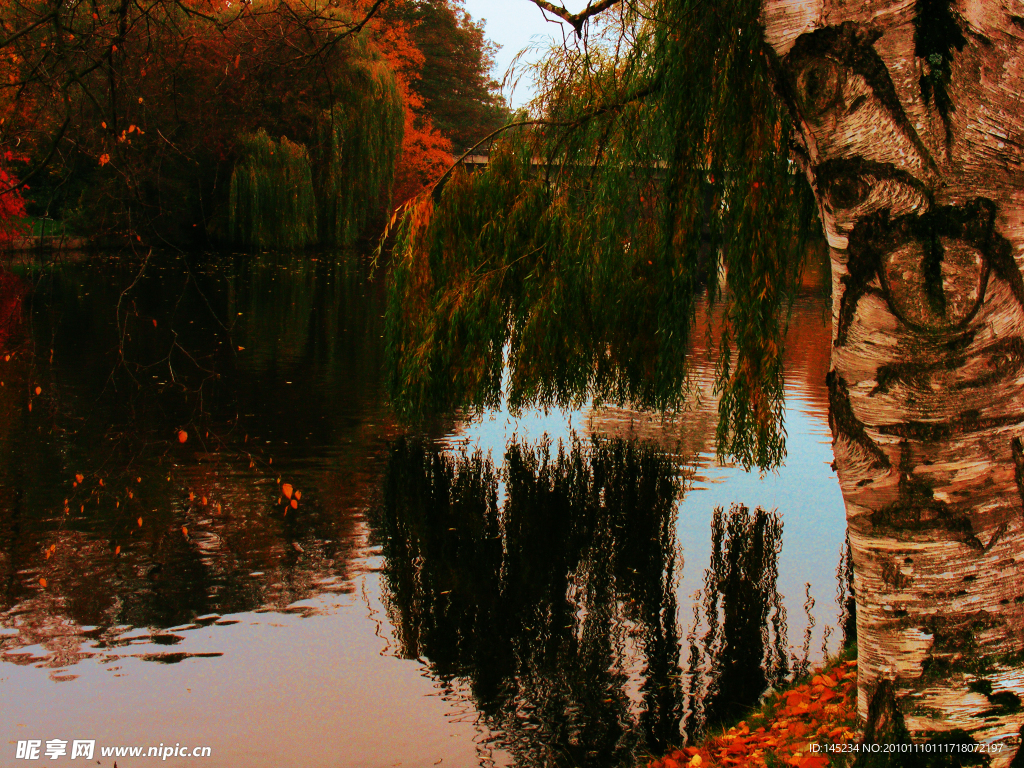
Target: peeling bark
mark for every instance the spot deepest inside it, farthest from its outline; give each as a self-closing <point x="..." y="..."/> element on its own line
<point x="910" y="114"/>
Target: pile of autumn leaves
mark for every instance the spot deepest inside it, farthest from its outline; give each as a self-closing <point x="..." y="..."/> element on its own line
<point x="822" y="711"/>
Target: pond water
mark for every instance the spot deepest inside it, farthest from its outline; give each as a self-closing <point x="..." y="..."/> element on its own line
<point x="303" y="581"/>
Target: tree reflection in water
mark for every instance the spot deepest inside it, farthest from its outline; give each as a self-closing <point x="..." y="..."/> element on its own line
<point x="743" y="650"/>
<point x="548" y="586"/>
<point x="558" y="605"/>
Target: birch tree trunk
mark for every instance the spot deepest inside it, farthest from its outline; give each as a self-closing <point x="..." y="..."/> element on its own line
<point x="912" y="136"/>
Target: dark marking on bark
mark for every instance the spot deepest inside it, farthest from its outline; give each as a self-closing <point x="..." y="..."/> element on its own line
<point x="931" y="266"/>
<point x="954" y="635"/>
<point x="819" y="62"/>
<point x="1005" y="361"/>
<point x="937" y="35"/>
<point x="878" y="235"/>
<point x="1002" y="529"/>
<point x="966" y="423"/>
<point x="917" y="510"/>
<point x="863" y="264"/>
<point x="846" y="182"/>
<point x="1005" y="267"/>
<point x="1003" y="702"/>
<point x="1017" y="449"/>
<point x="846" y="596"/>
<point x="952" y="357"/>
<point x="843" y="421"/>
<point x="892" y="575"/>
<point x="884" y="725"/>
<point x="1018" y="759"/>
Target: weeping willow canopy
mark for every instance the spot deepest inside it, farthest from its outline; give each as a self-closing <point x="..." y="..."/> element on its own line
<point x="657" y="169"/>
<point x="285" y="196"/>
<point x="272" y="203"/>
<point x="357" y="146"/>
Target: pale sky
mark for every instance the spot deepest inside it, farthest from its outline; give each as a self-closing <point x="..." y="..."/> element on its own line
<point x="513" y="24"/>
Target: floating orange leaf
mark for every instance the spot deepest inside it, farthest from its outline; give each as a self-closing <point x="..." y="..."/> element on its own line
<point x="140" y="522"/>
<point x="42" y="583"/>
<point x="117" y="550"/>
<point x="294" y="504"/>
<point x="182" y="435"/>
<point x="286" y="489"/>
<point x="39" y="390"/>
<point x="184" y="530"/>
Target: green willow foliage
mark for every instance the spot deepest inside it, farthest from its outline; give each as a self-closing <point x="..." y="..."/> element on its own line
<point x="283" y="196"/>
<point x="357" y="147"/>
<point x="658" y="171"/>
<point x="272" y="203"/>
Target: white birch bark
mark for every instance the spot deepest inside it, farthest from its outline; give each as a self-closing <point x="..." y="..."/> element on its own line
<point x="926" y="383"/>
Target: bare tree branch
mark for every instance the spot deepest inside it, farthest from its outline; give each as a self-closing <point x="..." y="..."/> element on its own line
<point x="29" y="28"/>
<point x="577" y="20"/>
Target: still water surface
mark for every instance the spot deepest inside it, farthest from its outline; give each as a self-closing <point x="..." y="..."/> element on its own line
<point x="553" y="589"/>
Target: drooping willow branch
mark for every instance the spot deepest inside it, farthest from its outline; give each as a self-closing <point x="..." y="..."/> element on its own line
<point x="554" y="293"/>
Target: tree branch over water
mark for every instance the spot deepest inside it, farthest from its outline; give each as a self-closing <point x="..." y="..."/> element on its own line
<point x="577" y="20"/>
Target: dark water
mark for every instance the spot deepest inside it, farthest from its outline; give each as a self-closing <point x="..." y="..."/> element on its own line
<point x="557" y="589"/>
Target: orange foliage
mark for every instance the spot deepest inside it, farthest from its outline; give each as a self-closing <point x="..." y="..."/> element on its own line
<point x="12" y="205"/>
<point x="806" y="718"/>
<point x="426" y="154"/>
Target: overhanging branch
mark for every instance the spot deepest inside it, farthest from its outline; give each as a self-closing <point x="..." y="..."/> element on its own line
<point x="577" y="20"/>
<point x="602" y="109"/>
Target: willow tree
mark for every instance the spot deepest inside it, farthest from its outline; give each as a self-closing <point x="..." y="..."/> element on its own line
<point x="357" y="143"/>
<point x="285" y="195"/>
<point x="663" y="162"/>
<point x="271" y="198"/>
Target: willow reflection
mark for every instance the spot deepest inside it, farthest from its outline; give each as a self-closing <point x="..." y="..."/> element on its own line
<point x="552" y="603"/>
<point x="549" y="585"/>
<point x="743" y="650"/>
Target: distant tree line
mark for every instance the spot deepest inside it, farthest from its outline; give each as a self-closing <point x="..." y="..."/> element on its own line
<point x="264" y="124"/>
